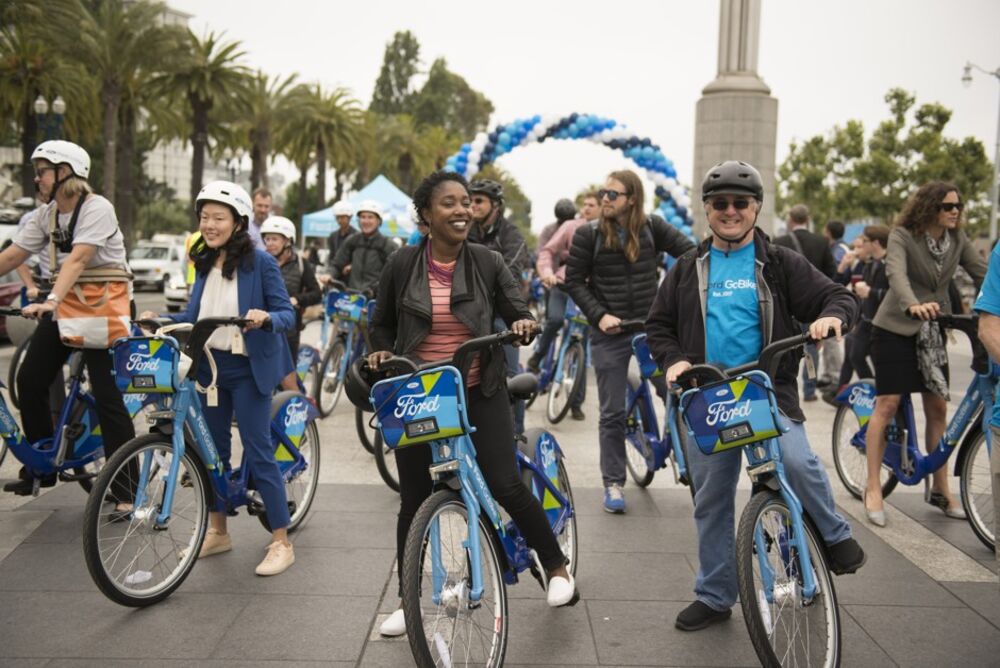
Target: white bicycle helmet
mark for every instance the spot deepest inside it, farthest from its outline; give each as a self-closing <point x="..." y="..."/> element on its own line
<point x="279" y="225"/>
<point x="225" y="192"/>
<point x="343" y="208"/>
<point x="60" y="152"/>
<point x="371" y="206"/>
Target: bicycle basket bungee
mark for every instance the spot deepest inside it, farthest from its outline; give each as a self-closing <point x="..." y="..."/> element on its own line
<point x="345" y="305"/>
<point x="732" y="413"/>
<point x="647" y="365"/>
<point x="420" y="407"/>
<point x="146" y="364"/>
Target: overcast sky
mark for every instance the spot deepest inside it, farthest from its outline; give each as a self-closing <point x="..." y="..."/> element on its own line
<point x="640" y="62"/>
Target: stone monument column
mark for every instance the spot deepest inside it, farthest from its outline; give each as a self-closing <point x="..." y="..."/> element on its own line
<point x="736" y="117"/>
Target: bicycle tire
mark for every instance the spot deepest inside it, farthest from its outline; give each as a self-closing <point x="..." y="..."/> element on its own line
<point x="328" y="385"/>
<point x="366" y="435"/>
<point x="189" y="519"/>
<point x="764" y="619"/>
<point x="569" y="539"/>
<point x="423" y="616"/>
<point x="15" y="365"/>
<point x="976" y="486"/>
<point x="573" y="366"/>
<point x="301" y="490"/>
<point x="385" y="462"/>
<point x="850" y="461"/>
<point x="637" y="447"/>
<point x="682" y="440"/>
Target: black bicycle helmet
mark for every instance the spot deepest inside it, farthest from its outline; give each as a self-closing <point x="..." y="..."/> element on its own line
<point x="565" y="210"/>
<point x="733" y="177"/>
<point x="358" y="384"/>
<point x="487" y="187"/>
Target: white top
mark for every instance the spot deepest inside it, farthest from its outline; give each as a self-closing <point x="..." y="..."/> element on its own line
<point x="220" y="299"/>
<point x="97" y="226"/>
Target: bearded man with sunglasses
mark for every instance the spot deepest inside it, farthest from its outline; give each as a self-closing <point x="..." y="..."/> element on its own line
<point x="722" y="303"/>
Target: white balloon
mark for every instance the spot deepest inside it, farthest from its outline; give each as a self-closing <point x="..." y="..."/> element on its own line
<point x="474" y="157"/>
<point x="670" y="183"/>
<point x="684" y="200"/>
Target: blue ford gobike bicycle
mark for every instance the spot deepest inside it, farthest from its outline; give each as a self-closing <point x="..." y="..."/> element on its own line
<point x="647" y="449"/>
<point x="563" y="366"/>
<point x="348" y="340"/>
<point x="140" y="556"/>
<point x="785" y="586"/>
<point x="75" y="452"/>
<point x="903" y="461"/>
<point x="460" y="555"/>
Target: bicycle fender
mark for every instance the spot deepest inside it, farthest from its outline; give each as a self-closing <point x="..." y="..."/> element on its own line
<point x="860" y="396"/>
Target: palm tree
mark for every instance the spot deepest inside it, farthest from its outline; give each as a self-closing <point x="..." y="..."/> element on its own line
<point x="400" y="151"/>
<point x="209" y="74"/>
<point x="118" y="40"/>
<point x="268" y="102"/>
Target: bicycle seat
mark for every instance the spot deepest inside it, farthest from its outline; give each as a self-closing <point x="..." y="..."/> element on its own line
<point x="522" y="386"/>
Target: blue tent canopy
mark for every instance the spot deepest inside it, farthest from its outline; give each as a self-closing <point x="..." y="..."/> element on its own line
<point x="395" y="208"/>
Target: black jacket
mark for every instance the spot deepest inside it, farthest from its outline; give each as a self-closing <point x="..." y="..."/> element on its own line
<point x="789" y="290"/>
<point x="366" y="256"/>
<point x="874" y="276"/>
<point x="336" y="240"/>
<point x="300" y="281"/>
<point x="482" y="287"/>
<point x="506" y="239"/>
<point x="814" y="247"/>
<point x="608" y="283"/>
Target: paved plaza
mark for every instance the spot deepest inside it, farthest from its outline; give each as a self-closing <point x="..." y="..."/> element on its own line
<point x="927" y="597"/>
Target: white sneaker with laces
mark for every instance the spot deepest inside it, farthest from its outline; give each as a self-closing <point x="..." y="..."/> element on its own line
<point x="561" y="591"/>
<point x="279" y="557"/>
<point x="394" y="625"/>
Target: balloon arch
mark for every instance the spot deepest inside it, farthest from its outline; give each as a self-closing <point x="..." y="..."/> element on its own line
<point x="674" y="204"/>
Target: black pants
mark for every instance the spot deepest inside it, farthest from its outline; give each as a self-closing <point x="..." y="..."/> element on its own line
<point x="43" y="362"/>
<point x="494" y="441"/>
<point x="857" y="345"/>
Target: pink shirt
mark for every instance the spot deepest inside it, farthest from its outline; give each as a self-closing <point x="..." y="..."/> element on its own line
<point x="447" y="332"/>
<point x="555" y="252"/>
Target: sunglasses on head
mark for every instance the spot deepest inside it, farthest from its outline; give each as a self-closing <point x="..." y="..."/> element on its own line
<point x="612" y="195"/>
<point x="948" y="206"/>
<point x="722" y="203"/>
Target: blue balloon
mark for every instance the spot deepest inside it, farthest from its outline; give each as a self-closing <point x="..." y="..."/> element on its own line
<point x="682" y="211"/>
<point x="573" y="116"/>
<point x="504" y="138"/>
<point x="647" y="152"/>
<point x="465" y="148"/>
<point x="677" y="221"/>
<point x="493" y="136"/>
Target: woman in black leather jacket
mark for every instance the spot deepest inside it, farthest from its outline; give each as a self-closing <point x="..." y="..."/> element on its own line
<point x="431" y="298"/>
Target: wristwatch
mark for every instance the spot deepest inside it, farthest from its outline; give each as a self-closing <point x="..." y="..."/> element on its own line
<point x="54" y="298"/>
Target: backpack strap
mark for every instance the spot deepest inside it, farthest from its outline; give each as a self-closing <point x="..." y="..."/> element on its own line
<point x="54" y="224"/>
<point x="595" y="225"/>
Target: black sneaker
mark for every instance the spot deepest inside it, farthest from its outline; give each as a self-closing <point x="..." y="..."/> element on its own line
<point x="24" y="486"/>
<point x="698" y="616"/>
<point x="846" y="557"/>
<point x="577" y="413"/>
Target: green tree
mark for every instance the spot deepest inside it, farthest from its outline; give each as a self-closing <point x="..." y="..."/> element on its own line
<point x="448" y="101"/>
<point x="400" y="63"/>
<point x="209" y="76"/>
<point x="268" y="103"/>
<point x="843" y="175"/>
<point x="517" y="206"/>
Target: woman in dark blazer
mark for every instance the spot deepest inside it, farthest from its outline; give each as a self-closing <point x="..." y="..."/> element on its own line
<point x="233" y="279"/>
<point x="925" y="247"/>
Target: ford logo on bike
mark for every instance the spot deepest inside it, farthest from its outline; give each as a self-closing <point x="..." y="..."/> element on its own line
<point x="139" y="363"/>
<point x="725" y="411"/>
<point x="861" y="398"/>
<point x="411" y="405"/>
<point x="296" y="413"/>
<point x="722" y="392"/>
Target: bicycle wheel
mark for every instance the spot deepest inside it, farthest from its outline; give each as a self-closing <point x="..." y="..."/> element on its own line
<point x="568" y="539"/>
<point x="133" y="561"/>
<point x="638" y="450"/>
<point x="301" y="490"/>
<point x="561" y="395"/>
<point x="784" y="629"/>
<point x="682" y="440"/>
<point x="328" y="383"/>
<point x="850" y="460"/>
<point x="385" y="462"/>
<point x="15" y="365"/>
<point x="977" y="486"/>
<point x="445" y="627"/>
<point x="366" y="434"/>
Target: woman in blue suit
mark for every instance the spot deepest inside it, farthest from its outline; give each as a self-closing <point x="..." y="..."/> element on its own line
<point x="232" y="279"/>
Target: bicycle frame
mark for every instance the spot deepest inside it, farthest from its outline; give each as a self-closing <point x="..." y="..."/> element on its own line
<point x="553" y="364"/>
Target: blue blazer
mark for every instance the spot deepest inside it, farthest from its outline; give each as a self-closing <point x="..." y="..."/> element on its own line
<point x="261" y="287"/>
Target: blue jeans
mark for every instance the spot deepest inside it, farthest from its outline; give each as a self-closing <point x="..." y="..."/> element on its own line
<point x="513" y="367"/>
<point x="715" y="477"/>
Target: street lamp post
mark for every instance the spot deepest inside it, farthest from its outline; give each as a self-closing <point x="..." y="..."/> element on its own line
<point x="50" y="124"/>
<point x="234" y="162"/>
<point x="995" y="185"/>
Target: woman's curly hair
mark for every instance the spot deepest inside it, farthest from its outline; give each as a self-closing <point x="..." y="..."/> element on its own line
<point x="422" y="195"/>
<point x="239" y="249"/>
<point x="921" y="210"/>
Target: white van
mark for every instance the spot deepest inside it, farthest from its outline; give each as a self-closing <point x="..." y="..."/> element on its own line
<point x="153" y="263"/>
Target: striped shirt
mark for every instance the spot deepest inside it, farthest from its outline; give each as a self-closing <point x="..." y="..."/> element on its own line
<point x="447" y="332"/>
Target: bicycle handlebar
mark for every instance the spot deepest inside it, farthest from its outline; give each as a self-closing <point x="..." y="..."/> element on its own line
<point x="6" y="311"/>
<point x="460" y="360"/>
<point x="768" y="361"/>
<point x="968" y="324"/>
<point x="633" y="326"/>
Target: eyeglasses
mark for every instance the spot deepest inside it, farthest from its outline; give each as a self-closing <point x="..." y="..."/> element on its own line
<point x="612" y="195"/>
<point x="41" y="170"/>
<point x="948" y="206"/>
<point x="722" y="203"/>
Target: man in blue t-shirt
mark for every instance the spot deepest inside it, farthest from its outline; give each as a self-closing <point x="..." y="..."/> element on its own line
<point x="721" y="304"/>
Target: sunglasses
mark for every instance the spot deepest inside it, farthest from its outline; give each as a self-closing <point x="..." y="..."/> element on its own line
<point x="41" y="170"/>
<point x="948" y="206"/>
<point x="722" y="203"/>
<point x="612" y="195"/>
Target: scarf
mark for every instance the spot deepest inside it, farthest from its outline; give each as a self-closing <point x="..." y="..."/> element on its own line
<point x="932" y="356"/>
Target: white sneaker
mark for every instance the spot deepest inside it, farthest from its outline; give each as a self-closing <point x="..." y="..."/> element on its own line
<point x="562" y="592"/>
<point x="394" y="625"/>
<point x="279" y="557"/>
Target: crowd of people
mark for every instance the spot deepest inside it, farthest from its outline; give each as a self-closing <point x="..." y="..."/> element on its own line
<point x="462" y="275"/>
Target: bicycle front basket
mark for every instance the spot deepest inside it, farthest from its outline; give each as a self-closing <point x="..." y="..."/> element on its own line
<point x="426" y="406"/>
<point x="732" y="413"/>
<point x="345" y="305"/>
<point x="647" y="365"/>
<point x="146" y="364"/>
